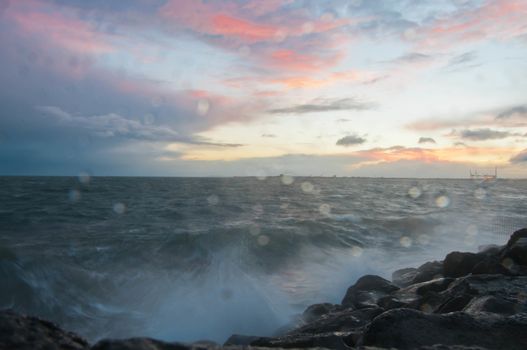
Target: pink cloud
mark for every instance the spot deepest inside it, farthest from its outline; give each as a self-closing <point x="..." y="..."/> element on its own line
<point x="499" y="19"/>
<point x="285" y="40"/>
<point x="244" y="30"/>
<point x="64" y="32"/>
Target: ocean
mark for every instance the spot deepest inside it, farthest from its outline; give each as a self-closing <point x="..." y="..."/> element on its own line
<point x="190" y="259"/>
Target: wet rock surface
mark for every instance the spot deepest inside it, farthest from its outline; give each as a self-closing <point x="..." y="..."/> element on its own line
<point x="468" y="301"/>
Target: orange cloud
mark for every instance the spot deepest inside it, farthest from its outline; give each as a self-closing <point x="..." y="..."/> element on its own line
<point x="353" y="76"/>
<point x="452" y="154"/>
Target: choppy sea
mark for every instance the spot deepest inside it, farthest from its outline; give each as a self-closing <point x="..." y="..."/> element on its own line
<point x="202" y="258"/>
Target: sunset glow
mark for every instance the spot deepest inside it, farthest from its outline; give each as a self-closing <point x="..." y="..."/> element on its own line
<point x="223" y="88"/>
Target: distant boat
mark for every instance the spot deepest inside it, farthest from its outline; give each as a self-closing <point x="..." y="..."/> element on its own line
<point x="484" y="177"/>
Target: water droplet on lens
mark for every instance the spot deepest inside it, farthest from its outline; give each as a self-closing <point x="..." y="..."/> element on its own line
<point x="203" y="107"/>
<point x="84" y="178"/>
<point x="149" y="119"/>
<point x="324" y="209"/>
<point x="480" y="193"/>
<point x="74" y="195"/>
<point x="213" y="199"/>
<point x="287" y="179"/>
<point x="119" y="208"/>
<point x="414" y="192"/>
<point x="263" y="240"/>
<point x="507" y="263"/>
<point x="307" y="186"/>
<point x="472" y="230"/>
<point x="156" y="101"/>
<point x="405" y="241"/>
<point x="356" y="251"/>
<point x="423" y="239"/>
<point x="442" y="201"/>
<point x="410" y="34"/>
<point x="258" y="209"/>
<point x="426" y="308"/>
<point x="307" y="27"/>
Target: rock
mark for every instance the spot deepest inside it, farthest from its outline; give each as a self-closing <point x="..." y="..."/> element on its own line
<point x="237" y="339"/>
<point x="24" y="332"/>
<point x="490" y="303"/>
<point x="409" y="329"/>
<point x="404" y="277"/>
<point x="332" y="340"/>
<point x="367" y="291"/>
<point x="516" y="248"/>
<point x="458" y="264"/>
<point x="346" y="320"/>
<point x="516" y="236"/>
<point x="315" y="311"/>
<point x="428" y="271"/>
<point x="138" y="344"/>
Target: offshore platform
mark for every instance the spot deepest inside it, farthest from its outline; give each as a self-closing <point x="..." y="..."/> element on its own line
<point x="484" y="176"/>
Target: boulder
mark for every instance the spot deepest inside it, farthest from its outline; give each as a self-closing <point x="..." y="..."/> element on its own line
<point x="332" y="340"/>
<point x="516" y="248"/>
<point x="367" y="291"/>
<point x="238" y="339"/>
<point x="458" y="264"/>
<point x="346" y="320"/>
<point x="404" y="277"/>
<point x="315" y="311"/>
<point x="31" y="333"/>
<point x="410" y="329"/>
<point x="490" y="303"/>
<point x="138" y="344"/>
<point x="428" y="271"/>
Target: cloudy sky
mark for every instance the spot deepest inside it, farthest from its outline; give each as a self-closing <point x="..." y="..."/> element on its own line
<point x="219" y="88"/>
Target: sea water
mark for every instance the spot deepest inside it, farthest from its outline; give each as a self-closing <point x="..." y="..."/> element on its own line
<point x="202" y="258"/>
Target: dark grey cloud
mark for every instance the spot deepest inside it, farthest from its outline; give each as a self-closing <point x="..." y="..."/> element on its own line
<point x="460" y="144"/>
<point x="350" y="140"/>
<point x="484" y="134"/>
<point x="516" y="111"/>
<point x="520" y="157"/>
<point x="325" y="105"/>
<point x="426" y="140"/>
<point x="411" y="57"/>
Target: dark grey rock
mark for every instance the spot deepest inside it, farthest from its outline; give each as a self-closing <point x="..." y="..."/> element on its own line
<point x="332" y="340"/>
<point x="367" y="291"/>
<point x="238" y="339"/>
<point x="458" y="264"/>
<point x="315" y="311"/>
<point x="138" y="344"/>
<point x="428" y="271"/>
<point x="404" y="277"/>
<point x="409" y="329"/>
<point x="490" y="303"/>
<point x="516" y="248"/>
<point x="346" y="320"/>
<point x="31" y="333"/>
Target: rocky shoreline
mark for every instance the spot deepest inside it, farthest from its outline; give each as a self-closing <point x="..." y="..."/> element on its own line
<point x="467" y="301"/>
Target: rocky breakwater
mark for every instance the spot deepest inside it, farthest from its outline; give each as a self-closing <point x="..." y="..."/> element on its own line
<point x="467" y="301"/>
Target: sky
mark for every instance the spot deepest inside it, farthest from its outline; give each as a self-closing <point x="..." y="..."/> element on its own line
<point x="405" y="88"/>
